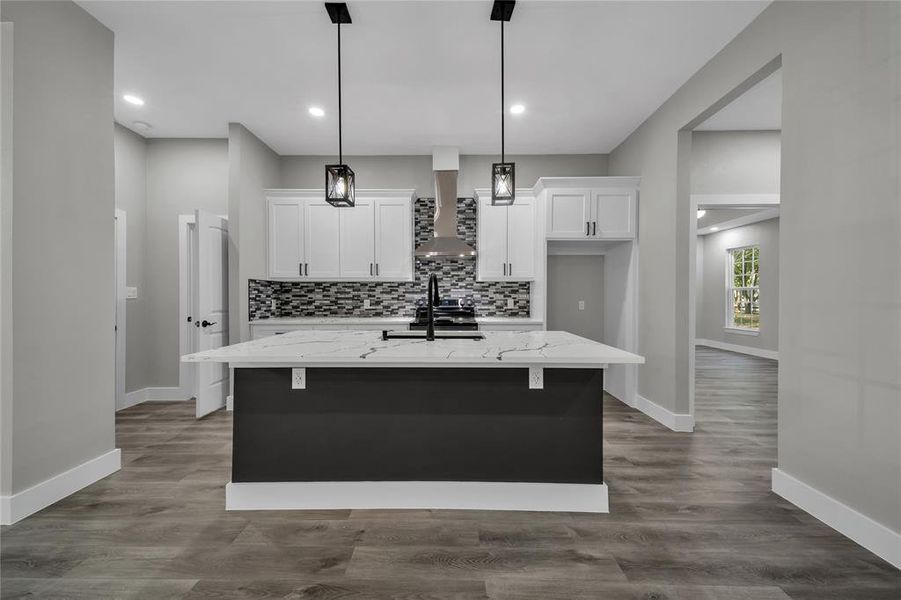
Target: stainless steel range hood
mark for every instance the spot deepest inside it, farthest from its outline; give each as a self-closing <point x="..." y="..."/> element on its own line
<point x="445" y="244"/>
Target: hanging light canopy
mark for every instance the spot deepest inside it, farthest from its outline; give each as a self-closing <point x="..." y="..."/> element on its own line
<point x="339" y="178"/>
<point x="503" y="174"/>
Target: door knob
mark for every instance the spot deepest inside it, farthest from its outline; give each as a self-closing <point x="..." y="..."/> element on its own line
<point x="206" y="323"/>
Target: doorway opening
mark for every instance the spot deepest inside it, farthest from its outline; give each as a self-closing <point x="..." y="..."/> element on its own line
<point x="121" y="293"/>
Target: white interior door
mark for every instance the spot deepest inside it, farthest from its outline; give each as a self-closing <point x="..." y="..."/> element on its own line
<point x="394" y="239"/>
<point x="357" y="259"/>
<point x="211" y="256"/>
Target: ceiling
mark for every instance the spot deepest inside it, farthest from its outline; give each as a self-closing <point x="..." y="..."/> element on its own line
<point x="415" y="74"/>
<point x="759" y="108"/>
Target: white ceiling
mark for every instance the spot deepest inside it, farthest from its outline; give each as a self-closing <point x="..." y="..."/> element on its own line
<point x="760" y="108"/>
<point x="416" y="74"/>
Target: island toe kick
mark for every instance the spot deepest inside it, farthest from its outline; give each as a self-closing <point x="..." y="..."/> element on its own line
<point x="418" y="438"/>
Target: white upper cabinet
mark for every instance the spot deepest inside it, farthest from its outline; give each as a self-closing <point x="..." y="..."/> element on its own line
<point x="394" y="239"/>
<point x="590" y="208"/>
<point x="357" y="257"/>
<point x="614" y="214"/>
<point x="285" y="237"/>
<point x="507" y="238"/>
<point x="569" y="213"/>
<point x="320" y="240"/>
<point x="310" y="239"/>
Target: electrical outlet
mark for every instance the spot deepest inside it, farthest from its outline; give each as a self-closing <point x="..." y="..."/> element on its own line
<point x="298" y="378"/>
<point x="131" y="293"/>
<point x="581" y="305"/>
<point x="367" y="303"/>
<point x="272" y="304"/>
<point x="510" y="303"/>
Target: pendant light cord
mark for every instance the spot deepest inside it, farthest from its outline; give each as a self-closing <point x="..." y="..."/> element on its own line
<point x="502" y="91"/>
<point x="340" y="147"/>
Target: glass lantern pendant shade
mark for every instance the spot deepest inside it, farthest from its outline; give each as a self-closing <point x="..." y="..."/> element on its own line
<point x="339" y="179"/>
<point x="339" y="185"/>
<point x="503" y="183"/>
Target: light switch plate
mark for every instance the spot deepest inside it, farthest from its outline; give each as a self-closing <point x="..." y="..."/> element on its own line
<point x="131" y="293"/>
<point x="298" y="378"/>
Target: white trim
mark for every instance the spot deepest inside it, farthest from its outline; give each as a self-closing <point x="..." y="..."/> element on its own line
<point x="186" y="371"/>
<point x="120" y="294"/>
<point x="605" y="181"/>
<point x="155" y="394"/>
<point x="27" y="502"/>
<point x="759" y="352"/>
<point x="735" y="200"/>
<point x="450" y="495"/>
<point x="875" y="537"/>
<point x="756" y="217"/>
<point x="740" y="331"/>
<point x="681" y="422"/>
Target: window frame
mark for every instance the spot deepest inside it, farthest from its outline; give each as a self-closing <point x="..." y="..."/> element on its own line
<point x="730" y="325"/>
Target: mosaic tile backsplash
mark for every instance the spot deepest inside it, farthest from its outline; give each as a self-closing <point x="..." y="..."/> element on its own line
<point x="456" y="278"/>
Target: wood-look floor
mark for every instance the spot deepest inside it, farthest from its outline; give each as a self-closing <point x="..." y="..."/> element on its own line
<point x="692" y="518"/>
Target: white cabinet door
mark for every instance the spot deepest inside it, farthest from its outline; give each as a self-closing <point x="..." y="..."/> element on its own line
<point x="568" y="214"/>
<point x="521" y="239"/>
<point x="491" y="247"/>
<point x="357" y="255"/>
<point x="614" y="214"/>
<point x="285" y="237"/>
<point x="320" y="242"/>
<point x="394" y="239"/>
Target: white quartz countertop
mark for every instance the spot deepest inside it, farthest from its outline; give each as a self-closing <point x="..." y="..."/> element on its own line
<point x="350" y="348"/>
<point x="381" y="320"/>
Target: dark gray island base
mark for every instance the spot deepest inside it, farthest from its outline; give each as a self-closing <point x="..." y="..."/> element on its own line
<point x="417" y="425"/>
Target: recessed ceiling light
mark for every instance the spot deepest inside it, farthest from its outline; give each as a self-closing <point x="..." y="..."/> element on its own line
<point x="133" y="100"/>
<point x="316" y="111"/>
<point x="714" y="229"/>
<point x="142" y="124"/>
<point x="517" y="109"/>
<point x="701" y="213"/>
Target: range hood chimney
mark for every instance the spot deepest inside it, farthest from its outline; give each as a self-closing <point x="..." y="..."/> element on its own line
<point x="445" y="244"/>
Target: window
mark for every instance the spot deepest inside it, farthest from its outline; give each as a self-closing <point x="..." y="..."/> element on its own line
<point x="743" y="288"/>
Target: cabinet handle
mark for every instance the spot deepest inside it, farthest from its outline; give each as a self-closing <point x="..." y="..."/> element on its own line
<point x="505" y="269"/>
<point x="306" y="268"/>
<point x="300" y="269"/>
<point x="510" y="269"/>
<point x="376" y="268"/>
<point x="587" y="227"/>
<point x="594" y="228"/>
<point x="370" y="269"/>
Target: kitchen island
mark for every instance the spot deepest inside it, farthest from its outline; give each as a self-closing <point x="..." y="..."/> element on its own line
<point x="347" y="419"/>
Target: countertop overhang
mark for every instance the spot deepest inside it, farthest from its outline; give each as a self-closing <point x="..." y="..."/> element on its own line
<point x="346" y="348"/>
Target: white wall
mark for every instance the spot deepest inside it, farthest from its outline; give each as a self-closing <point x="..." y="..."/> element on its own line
<point x="735" y="162"/>
<point x="253" y="167"/>
<point x="182" y="175"/>
<point x="62" y="241"/>
<point x="131" y="196"/>
<point x="711" y="291"/>
<point x="839" y="353"/>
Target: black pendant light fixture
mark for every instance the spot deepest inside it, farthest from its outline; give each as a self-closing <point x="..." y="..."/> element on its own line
<point x="503" y="174"/>
<point x="339" y="179"/>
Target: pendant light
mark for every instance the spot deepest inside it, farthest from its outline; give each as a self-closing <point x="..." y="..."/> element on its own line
<point x="339" y="178"/>
<point x="503" y="174"/>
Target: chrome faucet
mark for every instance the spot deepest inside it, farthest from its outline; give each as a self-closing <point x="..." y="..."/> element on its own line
<point x="432" y="301"/>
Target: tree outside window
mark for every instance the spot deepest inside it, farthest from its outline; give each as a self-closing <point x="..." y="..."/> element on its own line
<point x="743" y="288"/>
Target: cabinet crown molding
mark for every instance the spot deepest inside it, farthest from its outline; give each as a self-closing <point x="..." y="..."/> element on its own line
<point x="616" y="181"/>
<point x="319" y="193"/>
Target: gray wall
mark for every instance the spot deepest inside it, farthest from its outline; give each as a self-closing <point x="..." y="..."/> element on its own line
<point x="375" y="172"/>
<point x="182" y="175"/>
<point x="839" y="357"/>
<point x="711" y="290"/>
<point x="569" y="280"/>
<point x="131" y="196"/>
<point x="735" y="162"/>
<point x="253" y="167"/>
<point x="62" y="266"/>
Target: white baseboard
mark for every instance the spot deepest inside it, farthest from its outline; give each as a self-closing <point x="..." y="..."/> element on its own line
<point x="154" y="394"/>
<point x="27" y="502"/>
<point x="877" y="538"/>
<point x="408" y="495"/>
<point x="759" y="352"/>
<point x="681" y="422"/>
<point x="229" y="403"/>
